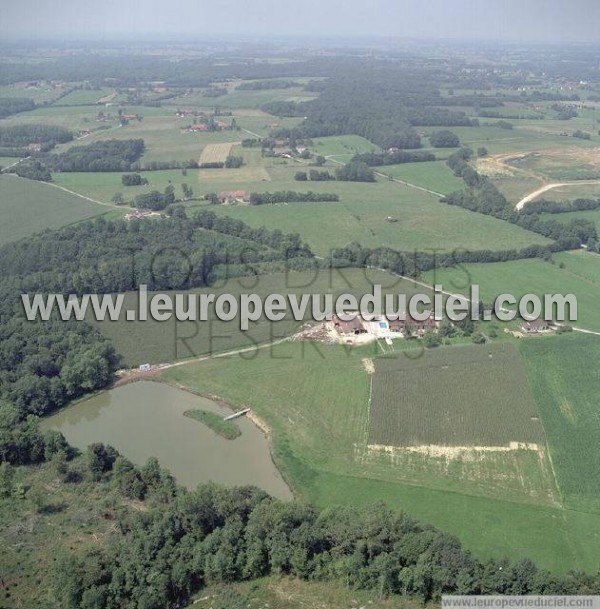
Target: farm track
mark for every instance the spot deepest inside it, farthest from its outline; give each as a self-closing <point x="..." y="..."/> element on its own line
<point x="77" y="194"/>
<point x="500" y="160"/>
<point x="546" y="187"/>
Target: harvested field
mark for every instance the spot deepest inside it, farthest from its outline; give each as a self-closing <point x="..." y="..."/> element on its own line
<point x="215" y="153"/>
<point x="472" y="396"/>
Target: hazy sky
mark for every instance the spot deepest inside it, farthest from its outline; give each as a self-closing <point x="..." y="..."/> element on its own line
<point x="554" y="20"/>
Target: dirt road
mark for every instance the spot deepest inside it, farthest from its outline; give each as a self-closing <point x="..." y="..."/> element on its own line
<point x="546" y="187"/>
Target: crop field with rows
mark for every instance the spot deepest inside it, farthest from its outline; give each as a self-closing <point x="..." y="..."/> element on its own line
<point x="460" y="396"/>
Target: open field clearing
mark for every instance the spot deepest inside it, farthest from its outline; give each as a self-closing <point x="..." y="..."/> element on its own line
<point x="322" y="452"/>
<point x="261" y="123"/>
<point x="244" y="174"/>
<point x="163" y="137"/>
<point x="580" y="276"/>
<point x="84" y="97"/>
<point x="566" y="163"/>
<point x="155" y="342"/>
<point x="244" y="99"/>
<point x="159" y="128"/>
<point x="564" y="380"/>
<point x="344" y="146"/>
<point x="459" y="397"/>
<point x="75" y="118"/>
<point x="526" y="135"/>
<point x="361" y="216"/>
<point x="254" y="170"/>
<point x="287" y="593"/>
<point x="434" y="175"/>
<point x="29" y="207"/>
<point x="39" y="94"/>
<point x="5" y="161"/>
<point x="215" y="153"/>
<point x="103" y="185"/>
<point x="514" y="188"/>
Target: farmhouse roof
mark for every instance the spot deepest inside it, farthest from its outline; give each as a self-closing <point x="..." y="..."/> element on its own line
<point x="232" y="194"/>
<point x="534" y="325"/>
<point x="351" y="326"/>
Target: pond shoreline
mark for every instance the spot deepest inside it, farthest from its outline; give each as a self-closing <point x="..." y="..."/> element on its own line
<point x="139" y="425"/>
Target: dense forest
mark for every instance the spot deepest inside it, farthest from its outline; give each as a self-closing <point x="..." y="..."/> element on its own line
<point x="14" y="105"/>
<point x="412" y="264"/>
<point x="187" y="540"/>
<point x="43" y="365"/>
<point x="108" y="155"/>
<point x="15" y="139"/>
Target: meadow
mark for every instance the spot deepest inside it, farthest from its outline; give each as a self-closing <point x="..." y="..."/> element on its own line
<point x="85" y="97"/>
<point x="342" y="146"/>
<point x="245" y="98"/>
<point x="579" y="275"/>
<point x="314" y="400"/>
<point x="434" y="175"/>
<point x="29" y="207"/>
<point x="463" y="396"/>
<point x="564" y="380"/>
<point x="154" y="342"/>
<point x="362" y="214"/>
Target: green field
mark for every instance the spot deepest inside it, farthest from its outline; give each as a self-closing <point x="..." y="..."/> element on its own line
<point x="342" y="146"/>
<point x="29" y="207"/>
<point x="244" y="99"/>
<point x="153" y="341"/>
<point x="361" y="216"/>
<point x="103" y="185"/>
<point x="479" y="397"/>
<point x="565" y="382"/>
<point x="570" y="163"/>
<point x="83" y="97"/>
<point x="435" y="175"/>
<point x="39" y="94"/>
<point x="527" y="135"/>
<point x="580" y="276"/>
<point x="314" y="398"/>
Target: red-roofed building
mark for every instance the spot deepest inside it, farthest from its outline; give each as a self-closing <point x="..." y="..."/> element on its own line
<point x="350" y="327"/>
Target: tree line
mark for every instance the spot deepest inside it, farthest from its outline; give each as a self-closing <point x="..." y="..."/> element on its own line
<point x="187" y="540"/>
<point x="15" y="139"/>
<point x="290" y="196"/>
<point x="397" y="157"/>
<point x="14" y="105"/>
<point x="560" y="207"/>
<point x="412" y="264"/>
